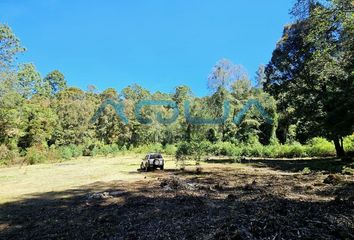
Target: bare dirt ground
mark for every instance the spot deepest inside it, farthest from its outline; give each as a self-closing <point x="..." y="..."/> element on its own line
<point x="260" y="199"/>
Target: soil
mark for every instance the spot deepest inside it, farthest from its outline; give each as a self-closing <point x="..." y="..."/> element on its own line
<point x="255" y="201"/>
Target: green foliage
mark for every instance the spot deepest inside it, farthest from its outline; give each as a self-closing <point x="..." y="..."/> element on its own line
<point x="184" y="149"/>
<point x="71" y="151"/>
<point x="169" y="149"/>
<point x="12" y="126"/>
<point x="317" y="147"/>
<point x="65" y="153"/>
<point x="10" y="46"/>
<point x="7" y="156"/>
<point x="320" y="147"/>
<point x="35" y="155"/>
<point x="105" y="150"/>
<point x="29" y="80"/>
<point x="183" y="153"/>
<point x="349" y="143"/>
<point x="222" y="149"/>
<point x="40" y="121"/>
<point x="148" y="148"/>
<point x="311" y="71"/>
<point x="306" y="171"/>
<point x="348" y="170"/>
<point x="74" y="110"/>
<point x="54" y="82"/>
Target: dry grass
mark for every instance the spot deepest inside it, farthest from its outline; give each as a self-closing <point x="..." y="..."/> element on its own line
<point x="24" y="181"/>
<point x="107" y="198"/>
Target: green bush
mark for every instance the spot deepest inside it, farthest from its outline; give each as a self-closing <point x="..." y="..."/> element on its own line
<point x="221" y="148"/>
<point x="36" y="155"/>
<point x="65" y="153"/>
<point x="296" y="150"/>
<point x="115" y="149"/>
<point x="254" y="150"/>
<point x="70" y="151"/>
<point x="270" y="151"/>
<point x="170" y="149"/>
<point x="7" y="155"/>
<point x="157" y="147"/>
<point x="306" y="171"/>
<point x="76" y="150"/>
<point x="184" y="149"/>
<point x="320" y="147"/>
<point x="104" y="150"/>
<point x="53" y="154"/>
<point x="226" y="148"/>
<point x="348" y="143"/>
<point x="123" y="149"/>
<point x="316" y="147"/>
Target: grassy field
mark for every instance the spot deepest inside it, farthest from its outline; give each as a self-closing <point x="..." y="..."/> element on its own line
<point x="107" y="198"/>
<point x="21" y="182"/>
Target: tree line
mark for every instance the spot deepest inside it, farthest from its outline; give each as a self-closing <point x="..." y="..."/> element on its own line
<point x="307" y="89"/>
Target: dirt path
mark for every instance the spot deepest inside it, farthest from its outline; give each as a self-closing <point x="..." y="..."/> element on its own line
<point x="225" y="201"/>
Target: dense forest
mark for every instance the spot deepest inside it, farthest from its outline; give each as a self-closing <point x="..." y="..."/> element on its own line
<point x="307" y="89"/>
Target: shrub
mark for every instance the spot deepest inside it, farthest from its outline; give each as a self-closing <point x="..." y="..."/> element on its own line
<point x="105" y="150"/>
<point x="157" y="147"/>
<point x="245" y="150"/>
<point x="184" y="149"/>
<point x="115" y="149"/>
<point x="76" y="151"/>
<point x="170" y="149"/>
<point x="227" y="149"/>
<point x="102" y="150"/>
<point x="306" y="171"/>
<point x="296" y="150"/>
<point x="53" y="154"/>
<point x="36" y="154"/>
<point x="270" y="150"/>
<point x="95" y="151"/>
<point x="191" y="150"/>
<point x="71" y="151"/>
<point x="256" y="150"/>
<point x="65" y="153"/>
<point x="320" y="147"/>
<point x="222" y="148"/>
<point x="348" y="143"/>
<point x="123" y="149"/>
<point x="7" y="155"/>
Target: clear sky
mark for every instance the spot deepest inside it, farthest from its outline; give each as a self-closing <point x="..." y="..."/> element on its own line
<point x="158" y="44"/>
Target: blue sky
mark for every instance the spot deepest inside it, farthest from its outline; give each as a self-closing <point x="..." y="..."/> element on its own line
<point x="158" y="44"/>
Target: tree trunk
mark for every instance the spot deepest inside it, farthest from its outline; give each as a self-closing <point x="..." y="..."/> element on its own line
<point x="338" y="143"/>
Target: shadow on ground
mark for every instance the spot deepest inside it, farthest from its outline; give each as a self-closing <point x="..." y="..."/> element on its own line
<point x="328" y="165"/>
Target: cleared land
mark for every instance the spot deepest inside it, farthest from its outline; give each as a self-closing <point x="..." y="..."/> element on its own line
<point x="107" y="198"/>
